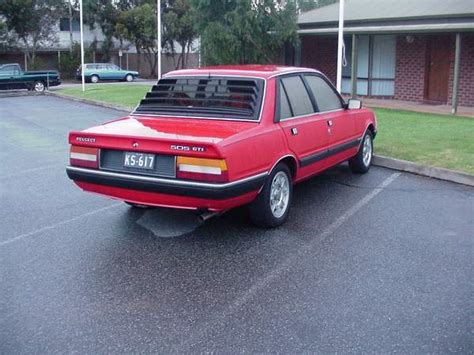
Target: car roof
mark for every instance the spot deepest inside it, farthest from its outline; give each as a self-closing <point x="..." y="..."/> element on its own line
<point x="260" y="71"/>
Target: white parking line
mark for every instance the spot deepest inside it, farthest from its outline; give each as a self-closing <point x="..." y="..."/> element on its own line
<point x="285" y="265"/>
<point x="262" y="283"/>
<point x="32" y="170"/>
<point x="52" y="226"/>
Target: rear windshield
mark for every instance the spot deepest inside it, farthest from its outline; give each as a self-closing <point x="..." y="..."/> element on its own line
<point x="215" y="97"/>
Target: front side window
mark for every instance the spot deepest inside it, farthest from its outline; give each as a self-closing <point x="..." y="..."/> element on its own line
<point x="297" y="95"/>
<point x="326" y="98"/>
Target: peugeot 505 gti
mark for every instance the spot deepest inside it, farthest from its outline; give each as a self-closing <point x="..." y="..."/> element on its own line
<point x="215" y="138"/>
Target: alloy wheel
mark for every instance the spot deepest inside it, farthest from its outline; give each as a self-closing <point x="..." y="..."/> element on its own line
<point x="279" y="194"/>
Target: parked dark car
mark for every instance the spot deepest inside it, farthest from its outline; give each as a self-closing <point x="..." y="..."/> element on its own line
<point x="12" y="77"/>
<point x="96" y="72"/>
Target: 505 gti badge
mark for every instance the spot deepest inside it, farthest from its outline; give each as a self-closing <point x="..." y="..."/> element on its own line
<point x="185" y="148"/>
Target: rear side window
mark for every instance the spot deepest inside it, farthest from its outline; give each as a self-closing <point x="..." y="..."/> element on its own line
<point x="219" y="97"/>
<point x="297" y="95"/>
<point x="326" y="98"/>
<point x="285" y="111"/>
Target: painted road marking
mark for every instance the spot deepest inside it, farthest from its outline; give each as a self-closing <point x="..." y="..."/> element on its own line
<point x="52" y="226"/>
<point x="266" y="280"/>
<point x="32" y="170"/>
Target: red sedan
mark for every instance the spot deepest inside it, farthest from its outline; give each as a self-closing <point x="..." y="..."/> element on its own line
<point x="215" y="138"/>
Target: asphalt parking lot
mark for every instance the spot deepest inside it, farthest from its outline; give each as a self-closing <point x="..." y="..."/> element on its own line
<point x="375" y="263"/>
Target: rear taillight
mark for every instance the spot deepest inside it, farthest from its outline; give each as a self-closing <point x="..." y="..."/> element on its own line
<point x="212" y="170"/>
<point x="84" y="156"/>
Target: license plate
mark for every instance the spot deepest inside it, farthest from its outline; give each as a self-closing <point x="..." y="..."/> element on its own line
<point x="139" y="160"/>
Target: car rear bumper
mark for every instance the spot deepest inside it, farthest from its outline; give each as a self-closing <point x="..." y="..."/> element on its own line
<point x="167" y="192"/>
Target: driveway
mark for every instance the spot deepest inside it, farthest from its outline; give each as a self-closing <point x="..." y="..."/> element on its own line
<point x="375" y="263"/>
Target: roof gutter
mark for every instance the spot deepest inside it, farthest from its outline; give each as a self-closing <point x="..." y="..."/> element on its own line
<point x="457" y="27"/>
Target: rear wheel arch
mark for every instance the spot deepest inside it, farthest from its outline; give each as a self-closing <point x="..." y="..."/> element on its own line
<point x="290" y="162"/>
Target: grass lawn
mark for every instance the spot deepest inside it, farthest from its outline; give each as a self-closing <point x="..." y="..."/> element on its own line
<point x="436" y="140"/>
<point x="123" y="95"/>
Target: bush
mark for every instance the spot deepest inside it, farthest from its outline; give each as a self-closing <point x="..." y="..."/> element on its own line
<point x="71" y="61"/>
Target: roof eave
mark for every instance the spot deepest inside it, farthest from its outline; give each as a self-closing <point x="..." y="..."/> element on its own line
<point x="457" y="27"/>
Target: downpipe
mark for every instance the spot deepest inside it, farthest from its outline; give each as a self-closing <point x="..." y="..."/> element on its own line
<point x="205" y="215"/>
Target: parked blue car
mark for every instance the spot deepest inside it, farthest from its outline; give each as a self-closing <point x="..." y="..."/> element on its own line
<point x="95" y="72"/>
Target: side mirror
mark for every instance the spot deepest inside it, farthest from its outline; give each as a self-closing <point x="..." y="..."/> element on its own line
<point x="354" y="104"/>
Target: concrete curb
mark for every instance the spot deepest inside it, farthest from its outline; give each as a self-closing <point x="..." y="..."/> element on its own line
<point x="90" y="102"/>
<point x="20" y="93"/>
<point x="429" y="171"/>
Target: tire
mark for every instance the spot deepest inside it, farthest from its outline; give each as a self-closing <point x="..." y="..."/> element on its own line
<point x="269" y="212"/>
<point x="94" y="79"/>
<point x="361" y="162"/>
<point x="137" y="205"/>
<point x="38" y="86"/>
<point x="129" y="78"/>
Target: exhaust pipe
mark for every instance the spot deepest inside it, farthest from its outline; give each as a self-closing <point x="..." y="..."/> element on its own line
<point x="205" y="215"/>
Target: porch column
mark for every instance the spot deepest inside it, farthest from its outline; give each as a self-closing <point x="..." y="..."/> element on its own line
<point x="457" y="60"/>
<point x="298" y="56"/>
<point x="354" y="67"/>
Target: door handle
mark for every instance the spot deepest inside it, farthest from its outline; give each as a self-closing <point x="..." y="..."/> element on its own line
<point x="329" y="122"/>
<point x="294" y="131"/>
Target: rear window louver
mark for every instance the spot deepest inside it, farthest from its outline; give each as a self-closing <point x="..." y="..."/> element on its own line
<point x="218" y="97"/>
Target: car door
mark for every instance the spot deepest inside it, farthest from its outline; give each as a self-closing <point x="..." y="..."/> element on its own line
<point x="116" y="72"/>
<point x="7" y="77"/>
<point x="104" y="73"/>
<point x="343" y="142"/>
<point x="305" y="130"/>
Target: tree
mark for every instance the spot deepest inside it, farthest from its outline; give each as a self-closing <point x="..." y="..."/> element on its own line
<point x="306" y="5"/>
<point x="138" y="25"/>
<point x="32" y="22"/>
<point x="7" y="40"/>
<point x="105" y="15"/>
<point x="236" y="31"/>
<point x="179" y="26"/>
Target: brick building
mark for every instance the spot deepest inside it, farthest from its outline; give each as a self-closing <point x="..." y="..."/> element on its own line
<point x="407" y="50"/>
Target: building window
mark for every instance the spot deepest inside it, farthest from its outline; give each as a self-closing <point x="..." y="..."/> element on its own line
<point x="64" y="25"/>
<point x="375" y="65"/>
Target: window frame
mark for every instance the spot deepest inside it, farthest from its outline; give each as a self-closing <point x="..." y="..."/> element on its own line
<point x="257" y="118"/>
<point x="277" y="103"/>
<point x="316" y="110"/>
<point x="369" y="78"/>
<point x="331" y="86"/>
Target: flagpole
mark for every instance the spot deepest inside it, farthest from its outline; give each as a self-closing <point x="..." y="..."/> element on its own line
<point x="340" y="42"/>
<point x="158" y="14"/>
<point x="82" y="47"/>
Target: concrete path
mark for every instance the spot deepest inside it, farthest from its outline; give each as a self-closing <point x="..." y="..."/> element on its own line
<point x="417" y="107"/>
